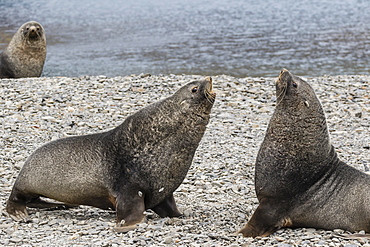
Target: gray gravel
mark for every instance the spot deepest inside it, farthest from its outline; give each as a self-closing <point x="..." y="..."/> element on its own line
<point x="217" y="197"/>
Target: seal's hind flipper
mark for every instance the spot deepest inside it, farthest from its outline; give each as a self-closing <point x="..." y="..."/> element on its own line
<point x="39" y="203"/>
<point x="17" y="211"/>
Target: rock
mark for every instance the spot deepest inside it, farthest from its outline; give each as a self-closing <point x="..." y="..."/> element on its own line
<point x="168" y="240"/>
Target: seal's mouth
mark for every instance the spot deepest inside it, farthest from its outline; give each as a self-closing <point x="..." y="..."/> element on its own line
<point x="284" y="76"/>
<point x="208" y="90"/>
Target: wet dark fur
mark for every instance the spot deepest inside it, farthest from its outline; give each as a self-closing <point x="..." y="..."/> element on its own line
<point x="134" y="167"/>
<point x="300" y="182"/>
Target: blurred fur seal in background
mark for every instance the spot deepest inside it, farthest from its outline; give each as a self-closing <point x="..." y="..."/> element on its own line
<point x="299" y="180"/>
<point x="25" y="54"/>
<point x="133" y="167"/>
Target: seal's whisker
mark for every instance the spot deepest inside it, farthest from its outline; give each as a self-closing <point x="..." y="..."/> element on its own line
<point x="281" y="95"/>
<point x="210" y="97"/>
<point x="283" y="91"/>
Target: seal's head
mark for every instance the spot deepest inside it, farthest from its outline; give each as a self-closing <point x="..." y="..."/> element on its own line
<point x="32" y="31"/>
<point x="299" y="119"/>
<point x="197" y="96"/>
<point x="294" y="93"/>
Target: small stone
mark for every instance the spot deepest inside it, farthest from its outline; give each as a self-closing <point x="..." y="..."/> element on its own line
<point x="49" y="118"/>
<point x="280" y="239"/>
<point x="310" y="230"/>
<point x="284" y="245"/>
<point x="18" y="117"/>
<point x="18" y="158"/>
<point x="143" y="75"/>
<point x="168" y="240"/>
<point x="340" y="231"/>
<point x="18" y="165"/>
<point x="16" y="240"/>
<point x="187" y="212"/>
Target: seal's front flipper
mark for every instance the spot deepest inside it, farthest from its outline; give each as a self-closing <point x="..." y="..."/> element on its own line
<point x="167" y="208"/>
<point x="17" y="211"/>
<point x="39" y="203"/>
<point x="266" y="219"/>
<point x="130" y="211"/>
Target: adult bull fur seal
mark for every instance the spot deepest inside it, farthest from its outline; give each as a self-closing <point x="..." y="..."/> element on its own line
<point x="133" y="167"/>
<point x="25" y="54"/>
<point x="299" y="180"/>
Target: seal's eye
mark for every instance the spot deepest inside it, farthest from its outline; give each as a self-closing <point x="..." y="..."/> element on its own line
<point x="194" y="89"/>
<point x="294" y="84"/>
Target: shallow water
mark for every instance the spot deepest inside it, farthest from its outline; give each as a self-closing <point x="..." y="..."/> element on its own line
<point x="234" y="37"/>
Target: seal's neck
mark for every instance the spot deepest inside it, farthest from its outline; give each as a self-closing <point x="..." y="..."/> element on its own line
<point x="298" y="131"/>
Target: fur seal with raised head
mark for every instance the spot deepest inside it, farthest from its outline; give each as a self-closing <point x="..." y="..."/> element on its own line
<point x="133" y="167"/>
<point x="25" y="54"/>
<point x="299" y="180"/>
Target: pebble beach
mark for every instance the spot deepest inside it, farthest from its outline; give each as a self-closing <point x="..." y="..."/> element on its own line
<point x="217" y="197"/>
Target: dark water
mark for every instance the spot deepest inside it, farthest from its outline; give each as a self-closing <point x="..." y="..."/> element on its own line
<point x="208" y="37"/>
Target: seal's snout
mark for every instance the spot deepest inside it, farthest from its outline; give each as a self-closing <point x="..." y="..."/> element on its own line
<point x="33" y="30"/>
<point x="209" y="86"/>
<point x="282" y="84"/>
<point x="285" y="79"/>
<point x="284" y="74"/>
<point x="208" y="90"/>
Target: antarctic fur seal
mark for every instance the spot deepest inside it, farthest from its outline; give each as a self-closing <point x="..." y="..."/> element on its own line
<point x="25" y="54"/>
<point x="299" y="180"/>
<point x="133" y="167"/>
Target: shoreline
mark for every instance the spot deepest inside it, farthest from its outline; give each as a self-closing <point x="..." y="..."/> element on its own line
<point x="217" y="197"/>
